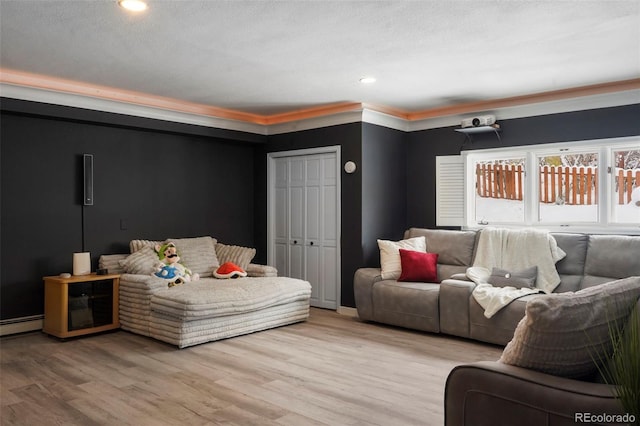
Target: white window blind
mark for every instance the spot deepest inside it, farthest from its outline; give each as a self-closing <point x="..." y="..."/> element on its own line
<point x="450" y="190"/>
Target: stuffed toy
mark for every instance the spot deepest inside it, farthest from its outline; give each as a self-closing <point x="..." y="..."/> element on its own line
<point x="229" y="270"/>
<point x="169" y="266"/>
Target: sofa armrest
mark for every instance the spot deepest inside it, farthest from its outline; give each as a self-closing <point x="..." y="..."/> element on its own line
<point x="459" y="277"/>
<point x="454" y="306"/>
<point x="493" y="393"/>
<point x="142" y="284"/>
<point x="111" y="262"/>
<point x="363" y="282"/>
<point x="256" y="270"/>
<point x="370" y="275"/>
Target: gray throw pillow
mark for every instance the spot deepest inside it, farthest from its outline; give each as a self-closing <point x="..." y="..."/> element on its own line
<point x="562" y="334"/>
<point x="519" y="279"/>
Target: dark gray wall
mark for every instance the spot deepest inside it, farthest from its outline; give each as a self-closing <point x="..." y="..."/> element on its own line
<point x="425" y="145"/>
<point x="384" y="183"/>
<point x="149" y="184"/>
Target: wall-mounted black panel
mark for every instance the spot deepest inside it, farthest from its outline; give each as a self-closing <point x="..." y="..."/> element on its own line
<point x="87" y="179"/>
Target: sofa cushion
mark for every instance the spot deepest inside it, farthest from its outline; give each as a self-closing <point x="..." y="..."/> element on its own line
<point x="614" y="256"/>
<point x="591" y="281"/>
<point x="241" y="256"/>
<point x="390" y="255"/>
<point x="453" y="247"/>
<point x="499" y="328"/>
<point x="561" y="334"/>
<point x="569" y="283"/>
<point x="412" y="305"/>
<point x="575" y="246"/>
<point x="418" y="266"/>
<point x="197" y="254"/>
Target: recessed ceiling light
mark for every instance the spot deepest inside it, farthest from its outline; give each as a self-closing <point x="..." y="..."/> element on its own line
<point x="367" y="80"/>
<point x="133" y="5"/>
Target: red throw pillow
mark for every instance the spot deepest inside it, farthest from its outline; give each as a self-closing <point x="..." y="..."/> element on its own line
<point x="418" y="266"/>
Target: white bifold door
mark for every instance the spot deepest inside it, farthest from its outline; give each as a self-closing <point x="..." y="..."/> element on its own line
<point x="304" y="219"/>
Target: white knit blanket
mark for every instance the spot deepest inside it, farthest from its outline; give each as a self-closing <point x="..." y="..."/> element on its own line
<point x="515" y="250"/>
<point x="492" y="299"/>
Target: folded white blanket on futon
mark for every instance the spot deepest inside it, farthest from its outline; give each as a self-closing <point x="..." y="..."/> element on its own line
<point x="514" y="250"/>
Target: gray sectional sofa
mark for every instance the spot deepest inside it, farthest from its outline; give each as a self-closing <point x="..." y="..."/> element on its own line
<point x="449" y="307"/>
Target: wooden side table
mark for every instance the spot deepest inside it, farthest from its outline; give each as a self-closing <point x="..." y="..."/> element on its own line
<point x="81" y="304"/>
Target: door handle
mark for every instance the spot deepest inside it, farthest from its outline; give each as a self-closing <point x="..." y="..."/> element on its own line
<point x="295" y="241"/>
<point x="311" y="243"/>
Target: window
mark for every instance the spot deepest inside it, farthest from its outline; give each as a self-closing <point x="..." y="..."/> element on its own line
<point x="626" y="186"/>
<point x="499" y="190"/>
<point x="568" y="187"/>
<point x="583" y="185"/>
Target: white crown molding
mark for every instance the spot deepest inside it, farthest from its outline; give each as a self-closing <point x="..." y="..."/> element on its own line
<point x="354" y="116"/>
<point x="364" y="114"/>
<point x="360" y="115"/>
<point x="107" y="105"/>
<point x="385" y="120"/>
<point x="581" y="103"/>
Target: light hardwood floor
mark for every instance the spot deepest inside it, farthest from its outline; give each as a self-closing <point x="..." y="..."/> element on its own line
<point x="330" y="370"/>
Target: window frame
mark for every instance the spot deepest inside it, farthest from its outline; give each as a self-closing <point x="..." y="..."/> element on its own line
<point x="531" y="185"/>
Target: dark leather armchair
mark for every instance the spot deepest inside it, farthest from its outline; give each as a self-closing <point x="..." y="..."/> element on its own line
<point x="497" y="394"/>
<point x="494" y="394"/>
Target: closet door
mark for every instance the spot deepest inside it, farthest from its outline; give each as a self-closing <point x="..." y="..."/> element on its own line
<point x="279" y="217"/>
<point x="321" y="230"/>
<point x="297" y="224"/>
<point x="306" y="223"/>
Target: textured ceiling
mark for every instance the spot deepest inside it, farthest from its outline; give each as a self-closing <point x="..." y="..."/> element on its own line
<point x="269" y="57"/>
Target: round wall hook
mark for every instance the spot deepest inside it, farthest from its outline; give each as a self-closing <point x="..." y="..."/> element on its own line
<point x="349" y="167"/>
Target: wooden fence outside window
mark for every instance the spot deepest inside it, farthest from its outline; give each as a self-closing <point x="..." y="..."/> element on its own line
<point x="558" y="184"/>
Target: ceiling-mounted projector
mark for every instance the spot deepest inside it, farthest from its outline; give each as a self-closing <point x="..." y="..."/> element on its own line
<point x="481" y="120"/>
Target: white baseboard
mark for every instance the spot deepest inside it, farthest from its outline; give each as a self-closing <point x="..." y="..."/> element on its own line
<point x="348" y="311"/>
<point x="21" y="325"/>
